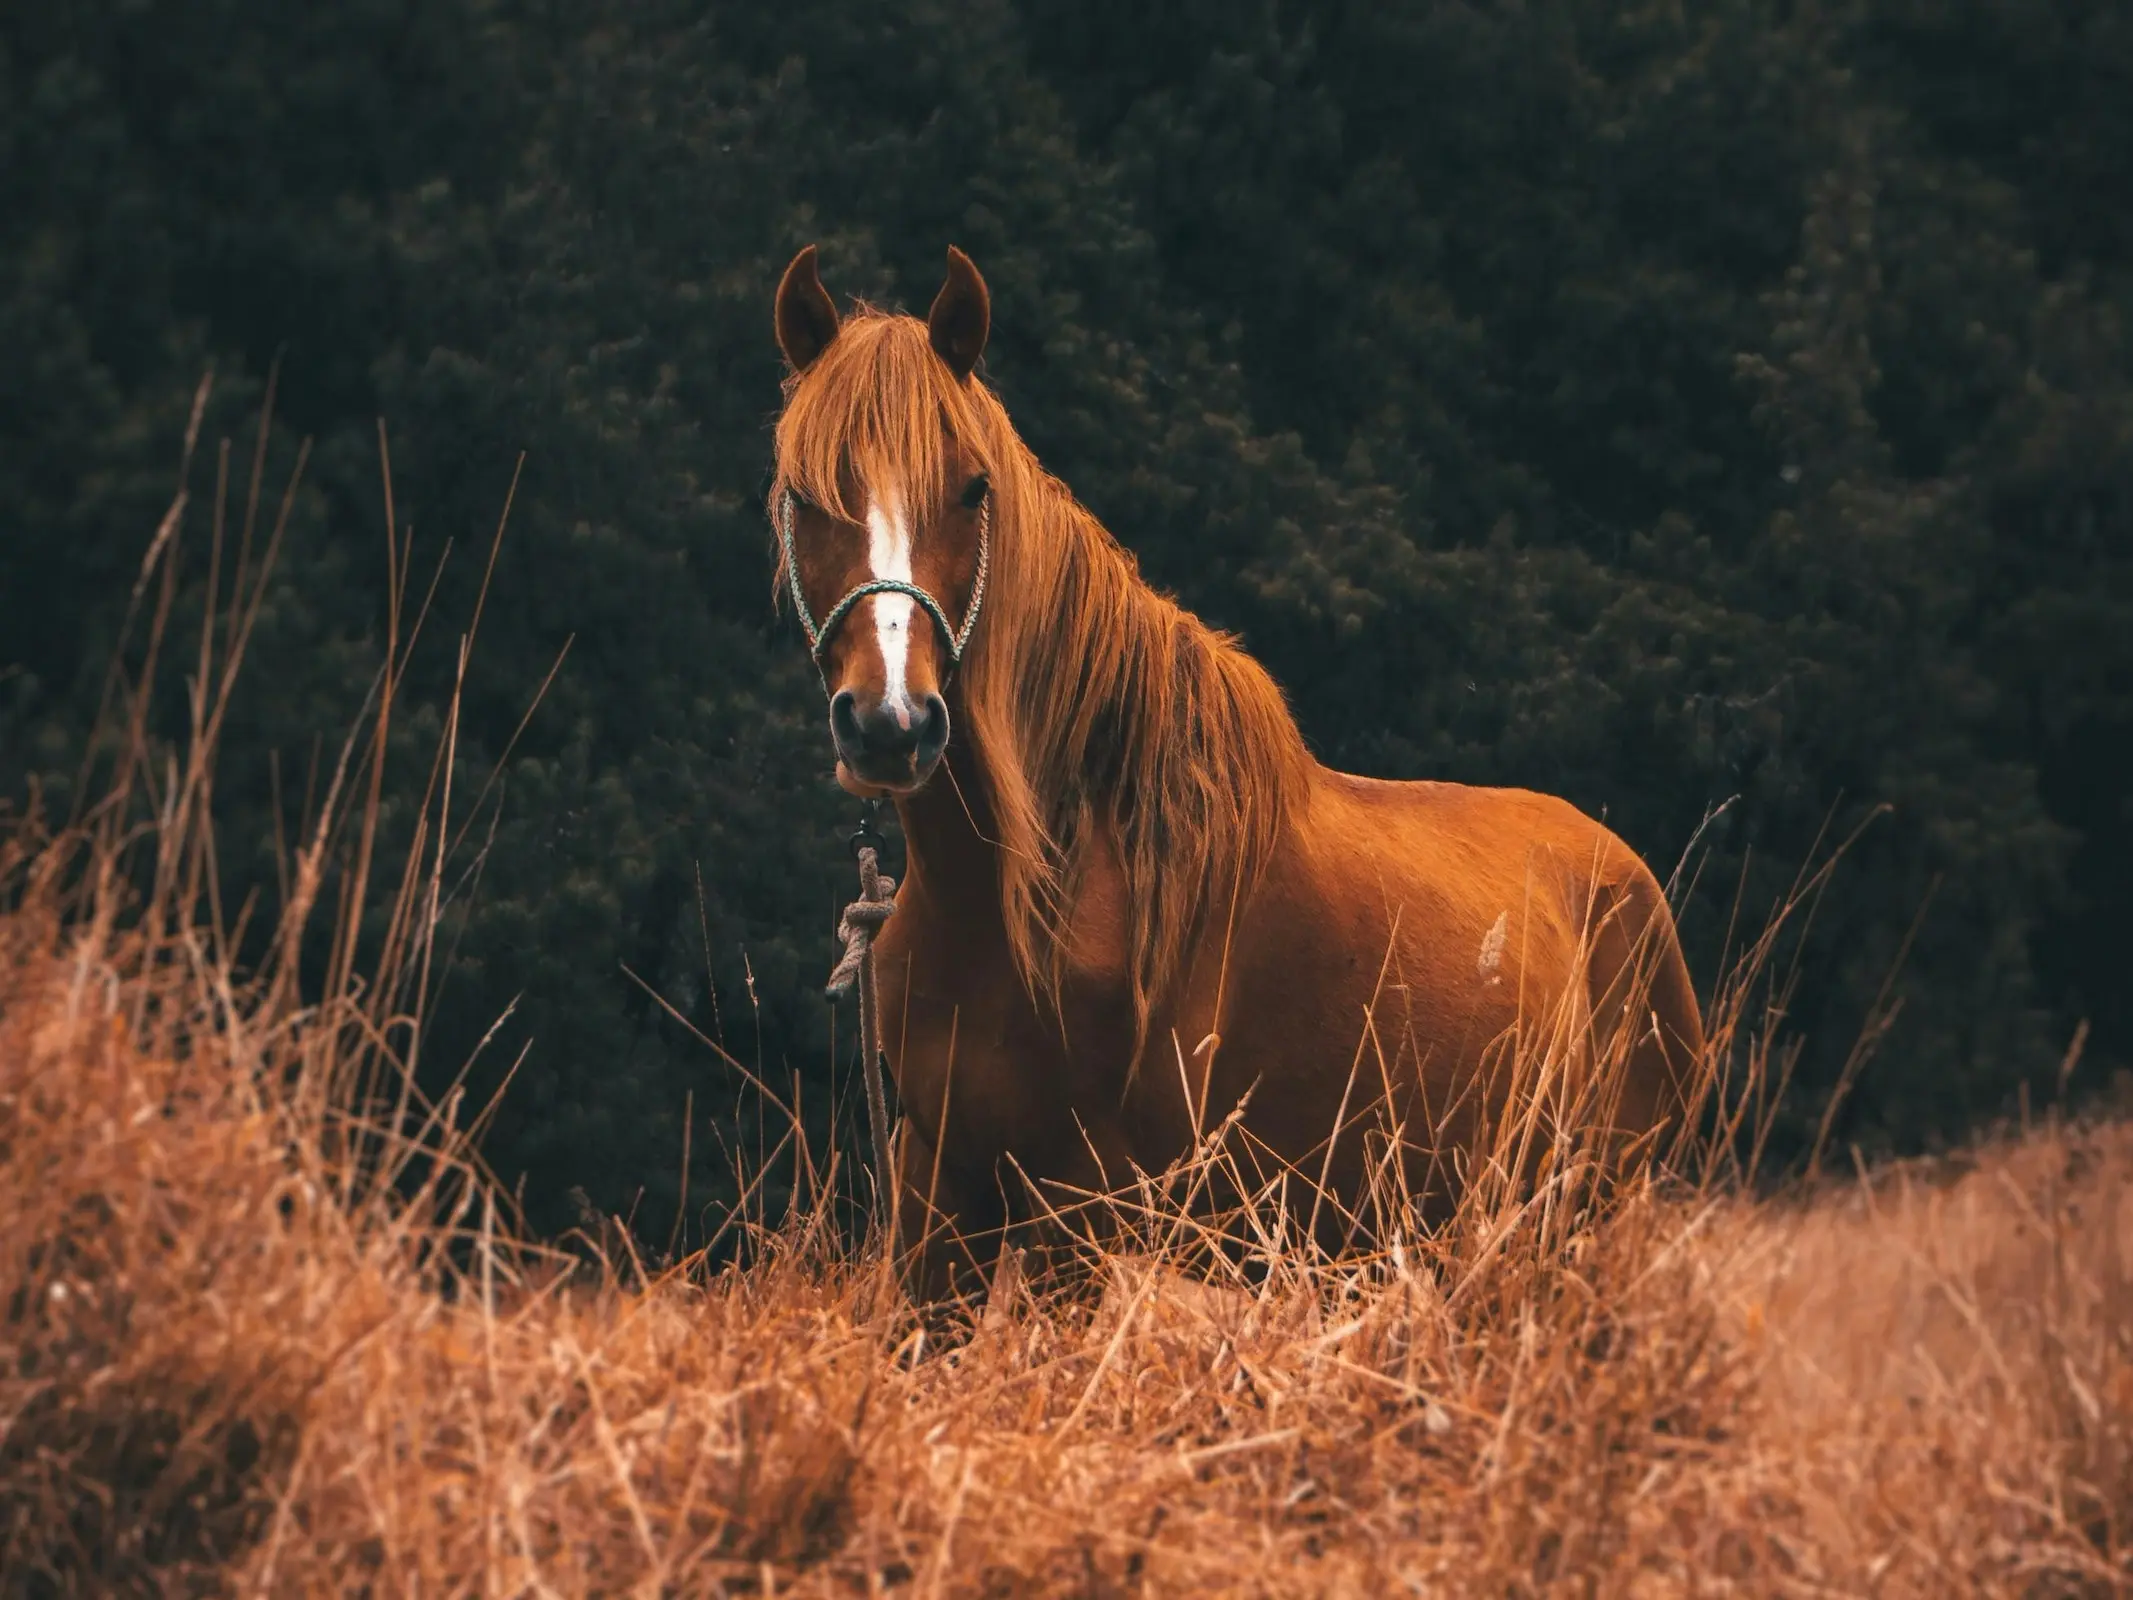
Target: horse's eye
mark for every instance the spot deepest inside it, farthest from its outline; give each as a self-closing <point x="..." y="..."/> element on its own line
<point x="974" y="491"/>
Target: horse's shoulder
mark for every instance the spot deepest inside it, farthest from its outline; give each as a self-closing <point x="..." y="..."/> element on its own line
<point x="1099" y="925"/>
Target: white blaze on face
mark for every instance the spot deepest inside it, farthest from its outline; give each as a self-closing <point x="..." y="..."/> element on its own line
<point x="889" y="556"/>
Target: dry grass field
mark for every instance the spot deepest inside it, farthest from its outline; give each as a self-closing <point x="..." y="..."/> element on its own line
<point x="264" y="1329"/>
<point x="229" y="1367"/>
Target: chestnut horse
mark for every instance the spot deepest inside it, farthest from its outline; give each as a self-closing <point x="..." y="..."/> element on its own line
<point x="1132" y="900"/>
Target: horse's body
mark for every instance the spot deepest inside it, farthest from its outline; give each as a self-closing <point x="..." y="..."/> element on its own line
<point x="1132" y="900"/>
<point x="1401" y="930"/>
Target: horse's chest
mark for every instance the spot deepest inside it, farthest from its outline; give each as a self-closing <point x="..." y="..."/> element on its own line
<point x="982" y="1065"/>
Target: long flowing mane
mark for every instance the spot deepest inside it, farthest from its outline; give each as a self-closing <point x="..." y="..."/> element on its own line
<point x="1103" y="711"/>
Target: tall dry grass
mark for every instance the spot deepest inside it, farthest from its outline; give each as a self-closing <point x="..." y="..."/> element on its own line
<point x="266" y="1327"/>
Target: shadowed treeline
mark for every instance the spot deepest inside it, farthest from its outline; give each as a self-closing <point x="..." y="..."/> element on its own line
<point x="1659" y="407"/>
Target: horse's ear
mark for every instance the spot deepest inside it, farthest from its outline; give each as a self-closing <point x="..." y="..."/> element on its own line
<point x="806" y="315"/>
<point x="961" y="316"/>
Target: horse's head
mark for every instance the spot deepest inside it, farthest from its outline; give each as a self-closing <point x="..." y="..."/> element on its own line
<point x="883" y="514"/>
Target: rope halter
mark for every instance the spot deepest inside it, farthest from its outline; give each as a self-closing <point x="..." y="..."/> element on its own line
<point x="818" y="634"/>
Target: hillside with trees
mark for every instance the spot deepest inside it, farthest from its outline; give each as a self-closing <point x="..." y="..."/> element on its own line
<point x="1719" y="414"/>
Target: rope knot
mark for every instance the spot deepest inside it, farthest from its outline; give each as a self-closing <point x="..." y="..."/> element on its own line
<point x="861" y="921"/>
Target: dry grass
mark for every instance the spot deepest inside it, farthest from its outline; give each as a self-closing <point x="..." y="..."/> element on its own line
<point x="220" y="1373"/>
<point x="264" y="1333"/>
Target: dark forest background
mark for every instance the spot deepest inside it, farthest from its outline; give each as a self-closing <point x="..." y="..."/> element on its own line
<point x="1659" y="404"/>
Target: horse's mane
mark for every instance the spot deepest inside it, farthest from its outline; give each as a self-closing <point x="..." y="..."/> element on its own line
<point x="1099" y="705"/>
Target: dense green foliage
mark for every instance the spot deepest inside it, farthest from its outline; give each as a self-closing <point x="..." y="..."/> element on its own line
<point x="1660" y="405"/>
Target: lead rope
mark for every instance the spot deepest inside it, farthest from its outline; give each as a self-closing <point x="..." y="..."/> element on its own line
<point x="861" y="921"/>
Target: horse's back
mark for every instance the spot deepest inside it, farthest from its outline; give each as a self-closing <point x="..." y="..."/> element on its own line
<point x="1506" y="866"/>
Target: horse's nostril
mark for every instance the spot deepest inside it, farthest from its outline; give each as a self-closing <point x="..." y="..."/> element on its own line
<point x="930" y="726"/>
<point x="844" y="719"/>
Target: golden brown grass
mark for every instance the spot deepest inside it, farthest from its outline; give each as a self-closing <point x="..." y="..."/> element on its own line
<point x="262" y="1331"/>
<point x="222" y="1373"/>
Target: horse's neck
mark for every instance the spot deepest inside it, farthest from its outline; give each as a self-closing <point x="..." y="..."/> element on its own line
<point x="948" y="837"/>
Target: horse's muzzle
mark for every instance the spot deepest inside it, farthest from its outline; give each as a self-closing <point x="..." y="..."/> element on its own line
<point x="889" y="746"/>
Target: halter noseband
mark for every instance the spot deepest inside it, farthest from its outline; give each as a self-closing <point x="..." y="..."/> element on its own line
<point x="818" y="634"/>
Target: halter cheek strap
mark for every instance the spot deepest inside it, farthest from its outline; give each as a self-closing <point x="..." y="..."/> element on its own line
<point x="818" y="634"/>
